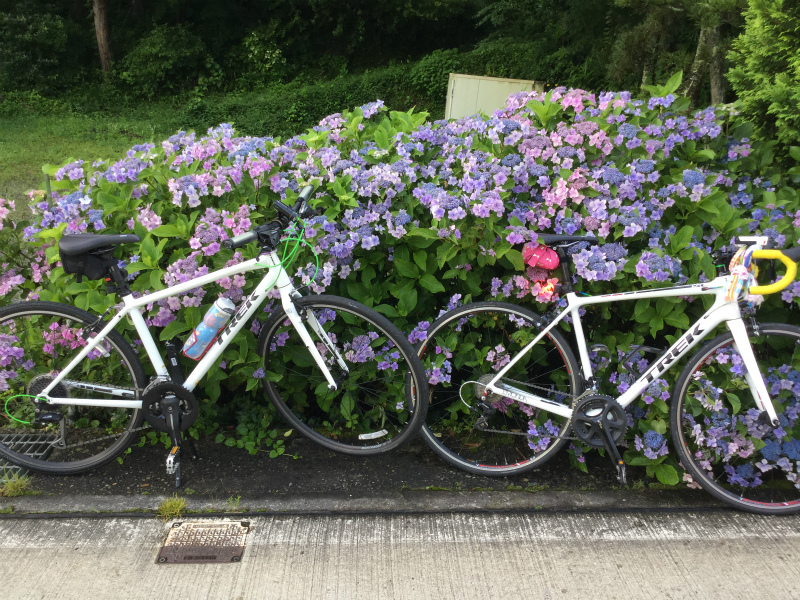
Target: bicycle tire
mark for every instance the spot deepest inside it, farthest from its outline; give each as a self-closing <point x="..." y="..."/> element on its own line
<point x="469" y="333"/>
<point x="367" y="414"/>
<point x="734" y="457"/>
<point x="90" y="436"/>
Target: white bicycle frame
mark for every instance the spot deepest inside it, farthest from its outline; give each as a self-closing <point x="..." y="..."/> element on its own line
<point x="722" y="311"/>
<point x="132" y="307"/>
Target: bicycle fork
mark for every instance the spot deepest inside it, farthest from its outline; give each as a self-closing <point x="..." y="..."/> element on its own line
<point x="752" y="373"/>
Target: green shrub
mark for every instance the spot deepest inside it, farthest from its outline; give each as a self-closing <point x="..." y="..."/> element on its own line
<point x="766" y="68"/>
<point x="30" y="48"/>
<point x="421" y="215"/>
<point x="430" y="75"/>
<point x="169" y="58"/>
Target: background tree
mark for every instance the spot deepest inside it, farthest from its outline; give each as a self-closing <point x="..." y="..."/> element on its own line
<point x="766" y="68"/>
<point x="101" y="31"/>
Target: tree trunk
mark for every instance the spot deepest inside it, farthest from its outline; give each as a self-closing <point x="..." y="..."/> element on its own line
<point x="103" y="38"/>
<point x="649" y="69"/>
<point x="691" y="85"/>
<point x="715" y="66"/>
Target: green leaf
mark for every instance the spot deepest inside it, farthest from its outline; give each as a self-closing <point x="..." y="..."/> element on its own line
<point x="515" y="256"/>
<point x="673" y="83"/>
<point x="734" y="401"/>
<point x="406" y="268"/>
<point x="421" y="258"/>
<point x="430" y="283"/>
<point x="386" y="309"/>
<point x="794" y="152"/>
<point x="445" y="252"/>
<point x="681" y="239"/>
<point x="173" y="329"/>
<point x="150" y="255"/>
<point x="167" y="230"/>
<point x="424" y="233"/>
<point x="382" y="139"/>
<point x="666" y="474"/>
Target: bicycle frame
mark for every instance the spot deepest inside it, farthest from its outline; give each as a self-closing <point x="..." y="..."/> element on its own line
<point x="132" y="307"/>
<point x="722" y="311"/>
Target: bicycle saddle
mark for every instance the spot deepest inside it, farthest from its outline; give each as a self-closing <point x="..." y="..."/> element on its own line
<point x="554" y="238"/>
<point x="78" y="243"/>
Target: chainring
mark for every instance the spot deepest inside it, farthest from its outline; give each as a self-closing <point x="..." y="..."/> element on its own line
<point x="593" y="410"/>
<point x="151" y="405"/>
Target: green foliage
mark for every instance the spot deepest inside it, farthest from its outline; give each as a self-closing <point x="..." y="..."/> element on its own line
<point x="286" y="109"/>
<point x="14" y="485"/>
<point x="30" y="45"/>
<point x="264" y="59"/>
<point x="410" y="276"/>
<point x="766" y="68"/>
<point x="430" y="75"/>
<point x="172" y="508"/>
<point x="167" y="59"/>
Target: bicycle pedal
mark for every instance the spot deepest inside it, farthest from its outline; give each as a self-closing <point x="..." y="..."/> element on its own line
<point x="173" y="460"/>
<point x="622" y="476"/>
<point x="48" y="418"/>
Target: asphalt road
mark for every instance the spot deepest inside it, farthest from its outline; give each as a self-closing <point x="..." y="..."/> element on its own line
<point x="627" y="554"/>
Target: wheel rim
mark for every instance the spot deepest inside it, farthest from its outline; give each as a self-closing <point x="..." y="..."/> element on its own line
<point x="35" y="346"/>
<point x="471" y="347"/>
<point x="729" y="451"/>
<point x="369" y="410"/>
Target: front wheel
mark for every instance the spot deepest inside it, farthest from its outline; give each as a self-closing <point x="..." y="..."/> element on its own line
<point x="381" y="396"/>
<point x="463" y="351"/>
<point x="732" y="453"/>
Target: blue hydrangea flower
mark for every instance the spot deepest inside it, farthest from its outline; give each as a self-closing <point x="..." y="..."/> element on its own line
<point x="653" y="439"/>
<point x="692" y="178"/>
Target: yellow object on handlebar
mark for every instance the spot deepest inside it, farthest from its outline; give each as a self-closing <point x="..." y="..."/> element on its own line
<point x="788" y="278"/>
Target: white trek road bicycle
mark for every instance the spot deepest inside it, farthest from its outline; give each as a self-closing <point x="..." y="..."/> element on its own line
<point x="507" y="391"/>
<point x="73" y="392"/>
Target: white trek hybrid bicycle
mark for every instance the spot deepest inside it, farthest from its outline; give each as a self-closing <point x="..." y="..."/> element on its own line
<point x="73" y="392"/>
<point x="507" y="391"/>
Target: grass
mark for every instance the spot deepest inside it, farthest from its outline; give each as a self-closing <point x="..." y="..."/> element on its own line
<point x="14" y="485"/>
<point x="29" y="141"/>
<point x="172" y="508"/>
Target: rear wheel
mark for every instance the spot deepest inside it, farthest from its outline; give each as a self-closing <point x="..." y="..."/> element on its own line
<point x="381" y="398"/>
<point x="463" y="351"/>
<point x="723" y="444"/>
<point x="37" y="340"/>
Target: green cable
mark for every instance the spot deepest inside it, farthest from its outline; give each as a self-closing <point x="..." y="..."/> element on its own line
<point x="12" y="417"/>
<point x="296" y="249"/>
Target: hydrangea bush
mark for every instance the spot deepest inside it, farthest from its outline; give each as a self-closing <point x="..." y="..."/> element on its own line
<point x="415" y="215"/>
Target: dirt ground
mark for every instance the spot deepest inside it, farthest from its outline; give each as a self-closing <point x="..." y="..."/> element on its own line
<point x="223" y="472"/>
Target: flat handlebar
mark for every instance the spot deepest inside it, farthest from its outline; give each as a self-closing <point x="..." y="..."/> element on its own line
<point x="285" y="216"/>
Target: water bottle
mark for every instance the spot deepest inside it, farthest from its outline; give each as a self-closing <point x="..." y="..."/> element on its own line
<point x="206" y="332"/>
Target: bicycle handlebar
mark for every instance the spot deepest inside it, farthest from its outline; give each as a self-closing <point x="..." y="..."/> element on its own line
<point x="240" y="240"/>
<point x="786" y="280"/>
<point x="285" y="216"/>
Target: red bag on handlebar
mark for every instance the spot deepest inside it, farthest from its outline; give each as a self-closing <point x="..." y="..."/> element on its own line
<point x="540" y="256"/>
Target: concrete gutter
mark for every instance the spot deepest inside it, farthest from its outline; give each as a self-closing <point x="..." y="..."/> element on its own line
<point x="379" y="503"/>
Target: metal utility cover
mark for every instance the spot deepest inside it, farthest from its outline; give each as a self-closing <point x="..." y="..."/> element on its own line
<point x="206" y="542"/>
<point x="36" y="445"/>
